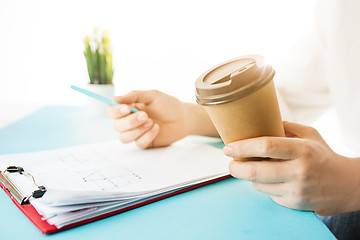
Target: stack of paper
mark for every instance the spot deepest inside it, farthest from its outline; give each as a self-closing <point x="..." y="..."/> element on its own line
<point x="91" y="180"/>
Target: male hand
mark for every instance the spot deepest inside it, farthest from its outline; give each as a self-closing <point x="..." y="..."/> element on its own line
<point x="300" y="172"/>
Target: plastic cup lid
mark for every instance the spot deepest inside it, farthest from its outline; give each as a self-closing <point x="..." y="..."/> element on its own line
<point x="232" y="80"/>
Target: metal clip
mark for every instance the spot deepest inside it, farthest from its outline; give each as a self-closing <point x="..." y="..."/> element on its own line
<point x="13" y="169"/>
<point x="15" y="191"/>
<point x="35" y="194"/>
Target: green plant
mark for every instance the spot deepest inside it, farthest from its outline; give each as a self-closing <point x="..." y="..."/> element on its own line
<point x="99" y="57"/>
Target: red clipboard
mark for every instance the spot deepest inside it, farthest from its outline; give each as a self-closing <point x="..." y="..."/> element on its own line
<point x="46" y="228"/>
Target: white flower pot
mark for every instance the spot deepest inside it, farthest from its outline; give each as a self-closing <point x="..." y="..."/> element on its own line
<point x="95" y="107"/>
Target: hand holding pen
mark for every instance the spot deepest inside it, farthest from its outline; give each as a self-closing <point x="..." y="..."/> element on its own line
<point x="160" y="121"/>
<point x="154" y="119"/>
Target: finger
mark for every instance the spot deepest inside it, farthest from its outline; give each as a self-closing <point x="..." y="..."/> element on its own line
<point x="131" y="121"/>
<point x="117" y="111"/>
<point x="139" y="106"/>
<point x="292" y="203"/>
<point x="280" y="200"/>
<point x="132" y="135"/>
<point x="146" y="140"/>
<point x="273" y="189"/>
<point x="145" y="97"/>
<point x="301" y="131"/>
<point x="262" y="171"/>
<point x="272" y="147"/>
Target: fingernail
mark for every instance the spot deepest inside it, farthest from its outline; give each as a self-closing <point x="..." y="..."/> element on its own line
<point x="227" y="151"/>
<point x="148" y="124"/>
<point x="142" y="117"/>
<point x="155" y="127"/>
<point x="124" y="109"/>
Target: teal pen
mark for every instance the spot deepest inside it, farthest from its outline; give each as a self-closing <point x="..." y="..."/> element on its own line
<point x="100" y="98"/>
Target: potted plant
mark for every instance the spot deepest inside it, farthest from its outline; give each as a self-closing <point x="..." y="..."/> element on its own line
<point x="98" y="55"/>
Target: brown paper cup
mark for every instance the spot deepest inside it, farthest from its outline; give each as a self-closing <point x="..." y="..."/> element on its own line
<point x="240" y="98"/>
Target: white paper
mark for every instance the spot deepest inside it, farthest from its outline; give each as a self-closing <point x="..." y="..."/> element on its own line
<point x="88" y="178"/>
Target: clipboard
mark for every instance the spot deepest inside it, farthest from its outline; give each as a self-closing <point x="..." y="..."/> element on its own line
<point x="22" y="202"/>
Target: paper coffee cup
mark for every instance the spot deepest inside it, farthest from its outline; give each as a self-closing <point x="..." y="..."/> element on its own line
<point x="240" y="98"/>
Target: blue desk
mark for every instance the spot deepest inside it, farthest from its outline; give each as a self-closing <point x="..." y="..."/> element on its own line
<point x="229" y="209"/>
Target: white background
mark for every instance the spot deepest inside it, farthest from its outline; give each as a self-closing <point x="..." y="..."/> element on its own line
<point x="157" y="44"/>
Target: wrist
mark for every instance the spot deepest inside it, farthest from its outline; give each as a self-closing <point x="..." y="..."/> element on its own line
<point x="190" y="119"/>
<point x="198" y="121"/>
<point x="354" y="173"/>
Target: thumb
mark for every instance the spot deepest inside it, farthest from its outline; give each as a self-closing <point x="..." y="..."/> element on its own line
<point x="301" y="131"/>
<point x="145" y="97"/>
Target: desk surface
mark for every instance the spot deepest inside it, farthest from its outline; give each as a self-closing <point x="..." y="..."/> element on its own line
<point x="229" y="209"/>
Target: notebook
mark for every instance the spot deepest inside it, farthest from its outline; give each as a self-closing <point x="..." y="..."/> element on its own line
<point x="84" y="183"/>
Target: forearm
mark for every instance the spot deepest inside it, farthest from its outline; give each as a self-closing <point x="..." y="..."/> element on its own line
<point x="199" y="122"/>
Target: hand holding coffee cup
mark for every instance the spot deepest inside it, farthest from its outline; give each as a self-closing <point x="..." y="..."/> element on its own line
<point x="240" y="98"/>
